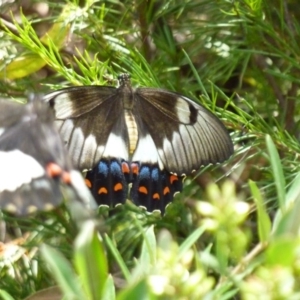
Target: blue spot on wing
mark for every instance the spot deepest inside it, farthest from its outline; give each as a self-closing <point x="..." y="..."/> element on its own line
<point x="155" y="174"/>
<point x="144" y="173"/>
<point x="103" y="168"/>
<point x="147" y="173"/>
<point x="115" y="168"/>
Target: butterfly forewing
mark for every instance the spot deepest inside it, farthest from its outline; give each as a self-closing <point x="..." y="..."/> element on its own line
<point x="190" y="136"/>
<point x="86" y="118"/>
<point x="174" y="106"/>
<point x="75" y="101"/>
<point x="22" y="124"/>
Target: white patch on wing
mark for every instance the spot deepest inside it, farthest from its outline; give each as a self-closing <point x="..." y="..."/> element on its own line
<point x="18" y="168"/>
<point x="1" y="131"/>
<point x="167" y="149"/>
<point x="66" y="130"/>
<point x="51" y="95"/>
<point x="116" y="147"/>
<point x="181" y="144"/>
<point x="146" y="151"/>
<point x="162" y="154"/>
<point x="90" y="146"/>
<point x="168" y="155"/>
<point x="63" y="104"/>
<point x="99" y="153"/>
<point x="181" y="153"/>
<point x="193" y="142"/>
<point x="58" y="123"/>
<point x="182" y="110"/>
<point x="83" y="151"/>
<point x="91" y="152"/>
<point x="76" y="144"/>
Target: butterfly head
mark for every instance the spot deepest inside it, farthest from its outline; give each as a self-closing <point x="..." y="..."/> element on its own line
<point x="124" y="80"/>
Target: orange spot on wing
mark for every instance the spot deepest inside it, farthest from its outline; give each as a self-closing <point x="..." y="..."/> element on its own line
<point x="125" y="168"/>
<point x="118" y="187"/>
<point x="156" y="196"/>
<point x="135" y="168"/>
<point x="173" y="178"/>
<point x="143" y="190"/>
<point x="53" y="170"/>
<point x="88" y="183"/>
<point x="166" y="190"/>
<point x="66" y="177"/>
<point x="102" y="190"/>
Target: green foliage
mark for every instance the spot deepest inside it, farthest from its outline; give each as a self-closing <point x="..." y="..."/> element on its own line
<point x="221" y="239"/>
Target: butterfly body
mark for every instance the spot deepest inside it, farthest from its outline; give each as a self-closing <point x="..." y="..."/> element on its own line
<point x="132" y="130"/>
<point x="160" y="136"/>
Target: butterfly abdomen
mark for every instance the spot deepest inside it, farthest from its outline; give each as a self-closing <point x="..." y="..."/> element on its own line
<point x="132" y="130"/>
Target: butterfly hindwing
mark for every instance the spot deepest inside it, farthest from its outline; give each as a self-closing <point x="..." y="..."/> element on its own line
<point x="154" y="189"/>
<point x="151" y="188"/>
<point x="40" y="193"/>
<point x="33" y="160"/>
<point x="108" y="182"/>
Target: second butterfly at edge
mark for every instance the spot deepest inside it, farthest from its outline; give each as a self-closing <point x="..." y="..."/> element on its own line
<point x="145" y="136"/>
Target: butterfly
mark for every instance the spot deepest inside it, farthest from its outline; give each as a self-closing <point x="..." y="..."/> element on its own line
<point x="35" y="170"/>
<point x="148" y="138"/>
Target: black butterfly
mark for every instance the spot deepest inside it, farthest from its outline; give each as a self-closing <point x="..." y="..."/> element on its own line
<point x="149" y="137"/>
<point x="33" y="160"/>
